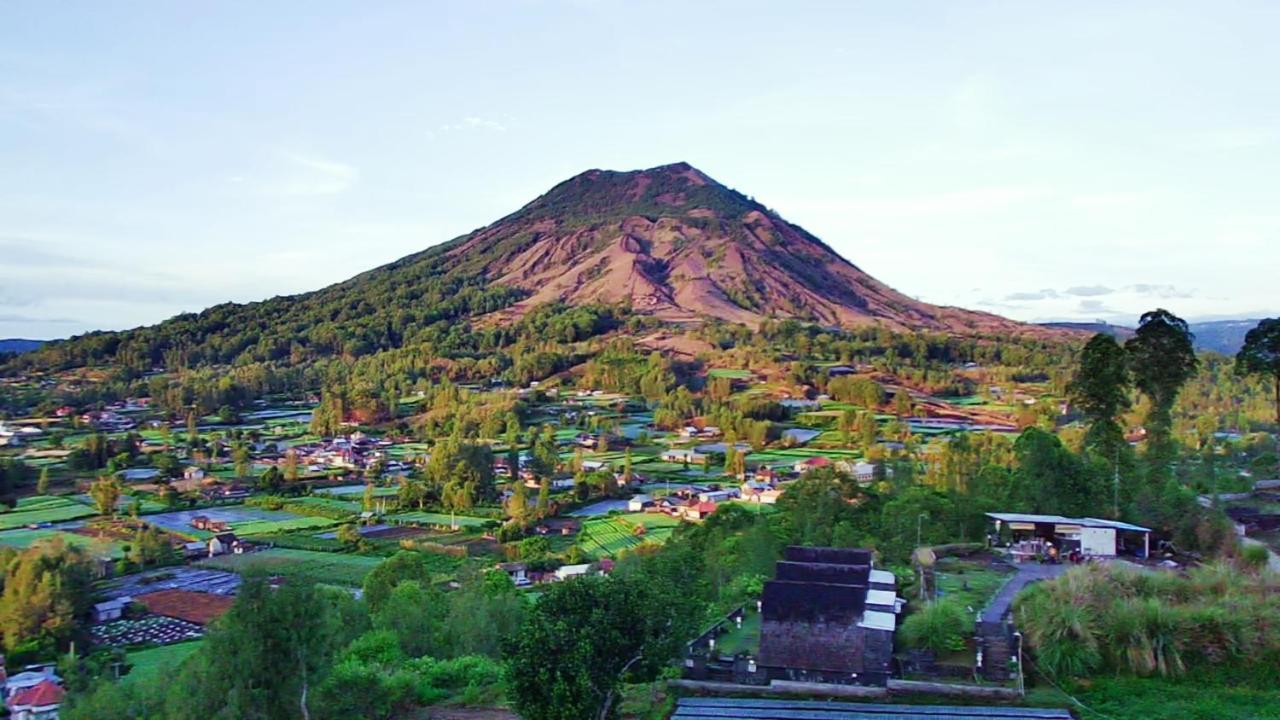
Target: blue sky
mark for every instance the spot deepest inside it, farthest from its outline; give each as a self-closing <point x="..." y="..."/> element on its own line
<point x="1069" y="160"/>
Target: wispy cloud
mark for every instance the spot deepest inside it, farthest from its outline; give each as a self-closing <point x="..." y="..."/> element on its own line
<point x="1088" y="290"/>
<point x="1045" y="294"/>
<point x="310" y="174"/>
<point x="1166" y="292"/>
<point x="475" y="123"/>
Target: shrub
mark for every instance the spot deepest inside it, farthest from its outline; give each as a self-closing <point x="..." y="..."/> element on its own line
<point x="1254" y="557"/>
<point x="940" y="626"/>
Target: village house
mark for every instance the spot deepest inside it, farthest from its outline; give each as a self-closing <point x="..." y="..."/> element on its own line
<point x="639" y="503"/>
<point x="110" y="610"/>
<point x="518" y="572"/>
<point x="193" y="473"/>
<point x="698" y="510"/>
<point x="813" y="463"/>
<point x="678" y="455"/>
<point x="204" y="522"/>
<point x="226" y="542"/>
<point x="565" y="572"/>
<point x="718" y="496"/>
<point x="39" y="702"/>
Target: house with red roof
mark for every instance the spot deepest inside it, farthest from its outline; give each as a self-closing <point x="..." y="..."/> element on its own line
<point x="812" y="463"/>
<point x="38" y="702"/>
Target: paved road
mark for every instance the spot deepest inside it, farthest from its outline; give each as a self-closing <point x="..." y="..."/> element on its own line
<point x="1027" y="573"/>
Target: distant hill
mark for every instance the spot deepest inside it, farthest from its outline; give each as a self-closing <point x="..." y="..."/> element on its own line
<point x="11" y="346"/>
<point x="1222" y="336"/>
<point x="668" y="242"/>
<point x="1119" y="332"/>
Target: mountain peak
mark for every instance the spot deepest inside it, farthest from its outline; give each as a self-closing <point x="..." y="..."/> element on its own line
<point x="672" y="242"/>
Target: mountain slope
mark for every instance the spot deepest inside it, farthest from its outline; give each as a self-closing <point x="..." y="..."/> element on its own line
<point x="668" y="242"/>
<point x="672" y="242"/>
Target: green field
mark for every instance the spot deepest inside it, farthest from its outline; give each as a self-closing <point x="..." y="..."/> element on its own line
<point x="22" y="539"/>
<point x="325" y="567"/>
<point x="152" y="662"/>
<point x="43" y="509"/>
<point x="431" y="518"/>
<point x="262" y="527"/>
<point x="608" y="536"/>
<point x="731" y="373"/>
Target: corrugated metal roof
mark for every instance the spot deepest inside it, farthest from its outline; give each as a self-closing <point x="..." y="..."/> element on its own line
<point x="759" y="709"/>
<point x="1060" y="520"/>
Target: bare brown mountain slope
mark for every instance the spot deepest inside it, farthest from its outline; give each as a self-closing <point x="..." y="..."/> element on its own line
<point x="674" y="243"/>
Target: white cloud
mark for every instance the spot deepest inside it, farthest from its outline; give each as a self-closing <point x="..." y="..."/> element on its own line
<point x="310" y="175"/>
<point x="475" y="123"/>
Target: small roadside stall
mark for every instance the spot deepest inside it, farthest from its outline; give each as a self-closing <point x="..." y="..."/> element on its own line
<point x="1037" y="537"/>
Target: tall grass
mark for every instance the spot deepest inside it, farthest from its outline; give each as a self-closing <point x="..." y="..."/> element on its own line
<point x="940" y="626"/>
<point x="1151" y="622"/>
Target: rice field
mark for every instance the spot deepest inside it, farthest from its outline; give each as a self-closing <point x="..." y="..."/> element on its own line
<point x="731" y="373"/>
<point x="44" y="509"/>
<point x="324" y="567"/>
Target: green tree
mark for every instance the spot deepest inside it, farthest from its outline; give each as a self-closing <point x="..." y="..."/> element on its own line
<point x="47" y="588"/>
<point x="262" y="659"/>
<point x="348" y="534"/>
<point x="1100" y="389"/>
<point x="240" y="456"/>
<point x="1260" y="355"/>
<point x="404" y="566"/>
<point x="105" y="492"/>
<point x="42" y="485"/>
<point x="1162" y="359"/>
<point x="415" y="612"/>
<point x="582" y="640"/>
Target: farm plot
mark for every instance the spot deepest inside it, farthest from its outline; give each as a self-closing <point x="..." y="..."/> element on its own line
<point x="152" y="662"/>
<point x="436" y="519"/>
<point x="24" y="538"/>
<point x="150" y="630"/>
<point x="234" y="515"/>
<point x="325" y="567"/>
<point x="356" y="490"/>
<point x="606" y="537"/>
<point x="263" y="527"/>
<point x="192" y="579"/>
<point x="43" y="509"/>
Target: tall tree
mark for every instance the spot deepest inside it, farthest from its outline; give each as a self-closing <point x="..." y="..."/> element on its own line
<point x="1101" y="389"/>
<point x="263" y="657"/>
<point x="1260" y="355"/>
<point x="583" y="639"/>
<point x="46" y="588"/>
<point x="105" y="492"/>
<point x="1162" y="359"/>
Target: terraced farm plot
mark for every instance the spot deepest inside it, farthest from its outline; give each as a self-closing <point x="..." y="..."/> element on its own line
<point x="731" y="373"/>
<point x="242" y="519"/>
<point x="606" y="537"/>
<point x="347" y="506"/>
<point x="150" y="663"/>
<point x="437" y="519"/>
<point x="44" y="509"/>
<point x="263" y="527"/>
<point x="325" y="567"/>
<point x="23" y="538"/>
